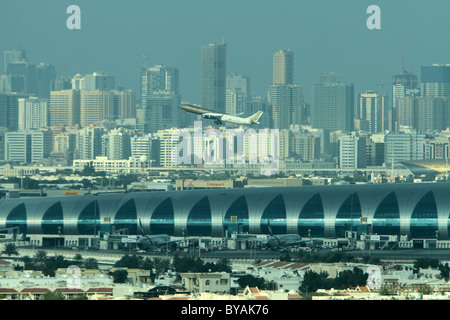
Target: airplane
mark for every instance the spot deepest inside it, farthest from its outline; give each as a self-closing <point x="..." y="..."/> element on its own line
<point x="161" y="241"/>
<point x="220" y="117"/>
<point x="283" y="240"/>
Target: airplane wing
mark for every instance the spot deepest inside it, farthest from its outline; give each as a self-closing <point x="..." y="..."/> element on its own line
<point x="212" y="115"/>
<point x="217" y="117"/>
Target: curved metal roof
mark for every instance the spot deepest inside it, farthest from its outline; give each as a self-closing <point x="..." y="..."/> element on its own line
<point x="283" y="205"/>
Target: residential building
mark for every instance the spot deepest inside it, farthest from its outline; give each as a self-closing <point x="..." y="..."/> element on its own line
<point x="352" y="151"/>
<point x="33" y="113"/>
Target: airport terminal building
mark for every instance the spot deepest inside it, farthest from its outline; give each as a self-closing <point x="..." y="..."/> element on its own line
<point x="419" y="211"/>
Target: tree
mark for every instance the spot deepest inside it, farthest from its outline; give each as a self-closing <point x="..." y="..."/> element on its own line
<point x="445" y="271"/>
<point x="53" y="296"/>
<point x="350" y="278"/>
<point x="313" y="281"/>
<point x="119" y="276"/>
<point x="10" y="249"/>
<point x="91" y="263"/>
<point x="39" y="258"/>
<point x="251" y="281"/>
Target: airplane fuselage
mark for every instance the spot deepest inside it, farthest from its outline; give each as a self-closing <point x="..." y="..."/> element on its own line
<point x="229" y="118"/>
<point x="220" y="117"/>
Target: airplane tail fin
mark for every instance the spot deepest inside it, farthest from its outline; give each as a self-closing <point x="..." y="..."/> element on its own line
<point x="269" y="227"/>
<point x="140" y="227"/>
<point x="255" y="117"/>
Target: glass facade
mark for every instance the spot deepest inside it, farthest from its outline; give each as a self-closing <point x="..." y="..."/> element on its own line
<point x="386" y="219"/>
<point x="311" y="218"/>
<point x="402" y="209"/>
<point x="275" y="213"/>
<point x="89" y="219"/>
<point x="53" y="221"/>
<point x="162" y="221"/>
<point x="126" y="217"/>
<point x="17" y="218"/>
<point x="237" y="215"/>
<point x="199" y="219"/>
<point x="348" y="216"/>
<point x="424" y="219"/>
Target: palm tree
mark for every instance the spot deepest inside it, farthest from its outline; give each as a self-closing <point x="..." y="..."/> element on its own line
<point x="40" y="257"/>
<point x="10" y="249"/>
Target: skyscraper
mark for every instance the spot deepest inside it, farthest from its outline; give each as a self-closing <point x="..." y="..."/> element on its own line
<point x="283" y="67"/>
<point x="435" y="80"/>
<point x="13" y="56"/>
<point x="213" y="71"/>
<point x="332" y="104"/>
<point x="9" y="110"/>
<point x="237" y="93"/>
<point x="373" y="108"/>
<point x="403" y="84"/>
<point x="160" y="93"/>
<point x="287" y="104"/>
<point x="283" y="95"/>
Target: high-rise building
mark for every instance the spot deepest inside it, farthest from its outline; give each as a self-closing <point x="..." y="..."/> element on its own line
<point x="33" y="113"/>
<point x="406" y="112"/>
<point x="287" y="105"/>
<point x="45" y="80"/>
<point x="124" y="104"/>
<point x="28" y="146"/>
<point x="285" y="98"/>
<point x="94" y="81"/>
<point x="332" y="104"/>
<point x="147" y="146"/>
<point x="352" y="151"/>
<point x="65" y="108"/>
<point x="237" y="93"/>
<point x="160" y="97"/>
<point x="116" y="144"/>
<point x="9" y="110"/>
<point x="213" y="76"/>
<point x="283" y="67"/>
<point x="89" y="142"/>
<point x="403" y="146"/>
<point x="28" y="71"/>
<point x="96" y="105"/>
<point x="14" y="55"/>
<point x="373" y="107"/>
<point x="435" y="80"/>
<point x="424" y="113"/>
<point x="10" y="83"/>
<point x="162" y="111"/>
<point x="404" y="84"/>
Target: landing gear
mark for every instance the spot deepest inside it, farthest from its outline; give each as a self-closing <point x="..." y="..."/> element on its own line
<point x="218" y="122"/>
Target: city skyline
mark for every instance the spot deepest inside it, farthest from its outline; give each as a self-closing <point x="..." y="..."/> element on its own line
<point x="330" y="36"/>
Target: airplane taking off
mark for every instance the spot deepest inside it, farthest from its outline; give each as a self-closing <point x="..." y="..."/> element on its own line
<point x="220" y="117"/>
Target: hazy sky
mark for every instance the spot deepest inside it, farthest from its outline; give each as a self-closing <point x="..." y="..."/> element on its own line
<point x="325" y="35"/>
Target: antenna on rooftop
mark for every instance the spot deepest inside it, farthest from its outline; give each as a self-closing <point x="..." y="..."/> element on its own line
<point x="401" y="55"/>
<point x="146" y="61"/>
